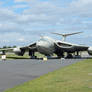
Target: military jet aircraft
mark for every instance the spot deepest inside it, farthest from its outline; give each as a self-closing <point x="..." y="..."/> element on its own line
<point x="48" y="46"/>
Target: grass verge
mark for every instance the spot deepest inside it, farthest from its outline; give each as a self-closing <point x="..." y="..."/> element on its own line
<point x="14" y="56"/>
<point x="25" y="56"/>
<point x="73" y="78"/>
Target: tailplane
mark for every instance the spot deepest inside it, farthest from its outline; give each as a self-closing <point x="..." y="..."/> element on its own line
<point x="66" y="35"/>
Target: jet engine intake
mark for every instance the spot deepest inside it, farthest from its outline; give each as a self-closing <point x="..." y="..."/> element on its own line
<point x="18" y="51"/>
<point x="90" y="50"/>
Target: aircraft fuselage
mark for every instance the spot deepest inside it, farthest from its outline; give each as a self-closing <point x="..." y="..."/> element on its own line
<point x="45" y="46"/>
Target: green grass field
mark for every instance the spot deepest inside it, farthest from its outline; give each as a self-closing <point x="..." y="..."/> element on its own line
<point x="14" y="56"/>
<point x="73" y="78"/>
<point x="25" y="56"/>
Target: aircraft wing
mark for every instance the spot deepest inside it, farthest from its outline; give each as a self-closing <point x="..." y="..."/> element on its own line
<point x="30" y="47"/>
<point x="26" y="48"/>
<point x="67" y="47"/>
<point x="6" y="49"/>
<point x="20" y="50"/>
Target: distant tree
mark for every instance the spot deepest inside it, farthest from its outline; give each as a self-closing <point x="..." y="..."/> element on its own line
<point x="14" y="46"/>
<point x="8" y="46"/>
<point x="4" y="46"/>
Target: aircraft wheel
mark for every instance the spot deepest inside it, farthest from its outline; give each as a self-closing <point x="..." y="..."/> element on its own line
<point x="69" y="56"/>
<point x="33" y="57"/>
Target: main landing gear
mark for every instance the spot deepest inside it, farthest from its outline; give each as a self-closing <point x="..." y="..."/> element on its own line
<point x="75" y="55"/>
<point x="69" y="55"/>
<point x="32" y="55"/>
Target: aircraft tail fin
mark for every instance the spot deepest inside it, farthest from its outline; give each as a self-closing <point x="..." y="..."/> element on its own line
<point x="66" y="35"/>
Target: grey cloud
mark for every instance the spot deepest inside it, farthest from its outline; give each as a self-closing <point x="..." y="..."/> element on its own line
<point x="43" y="17"/>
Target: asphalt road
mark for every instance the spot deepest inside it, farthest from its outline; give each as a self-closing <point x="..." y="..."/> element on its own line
<point x="15" y="72"/>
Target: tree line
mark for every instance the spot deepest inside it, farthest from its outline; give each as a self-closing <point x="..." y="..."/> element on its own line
<point x="9" y="46"/>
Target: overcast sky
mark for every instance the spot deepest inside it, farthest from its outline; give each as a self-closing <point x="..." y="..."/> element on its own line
<point x="23" y="21"/>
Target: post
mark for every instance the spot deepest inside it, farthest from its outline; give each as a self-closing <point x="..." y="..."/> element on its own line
<point x="3" y="57"/>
